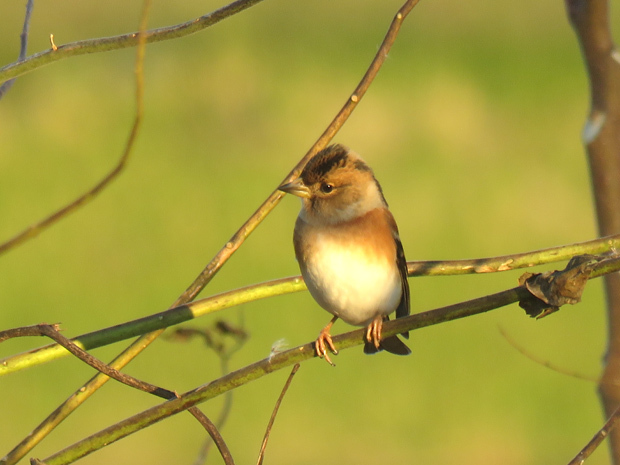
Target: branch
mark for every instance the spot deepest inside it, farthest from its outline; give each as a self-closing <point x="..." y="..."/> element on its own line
<point x="214" y="340"/>
<point x="6" y="86"/>
<point x="297" y="355"/>
<point x="199" y="308"/>
<point x="270" y="203"/>
<point x="601" y="136"/>
<point x="34" y="230"/>
<point x="261" y="454"/>
<point x="107" y="44"/>
<point x="607" y="428"/>
<point x="52" y="332"/>
<point x="238" y="238"/>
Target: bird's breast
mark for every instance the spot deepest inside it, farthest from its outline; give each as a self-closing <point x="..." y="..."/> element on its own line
<point x="350" y="269"/>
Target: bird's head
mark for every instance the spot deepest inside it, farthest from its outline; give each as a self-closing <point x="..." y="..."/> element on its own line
<point x="336" y="185"/>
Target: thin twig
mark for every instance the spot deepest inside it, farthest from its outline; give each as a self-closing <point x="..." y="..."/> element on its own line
<point x="23" y="48"/>
<point x="228" y="398"/>
<point x="263" y="446"/>
<point x="106" y="44"/>
<point x="35" y="229"/>
<point x="540" y="361"/>
<point x="25" y="331"/>
<point x="598" y="438"/>
<point x="52" y="332"/>
<point x="215" y="435"/>
<point x="224" y="352"/>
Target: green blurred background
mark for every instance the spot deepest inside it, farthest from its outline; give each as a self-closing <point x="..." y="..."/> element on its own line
<point x="473" y="128"/>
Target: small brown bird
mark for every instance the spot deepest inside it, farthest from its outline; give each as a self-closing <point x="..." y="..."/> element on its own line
<point x="348" y="248"/>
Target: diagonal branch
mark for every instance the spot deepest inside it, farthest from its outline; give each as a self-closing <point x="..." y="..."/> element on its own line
<point x="272" y="201"/>
<point x="230" y="247"/>
<point x="598" y="438"/>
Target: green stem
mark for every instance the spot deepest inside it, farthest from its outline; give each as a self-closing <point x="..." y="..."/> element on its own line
<point x="154" y="322"/>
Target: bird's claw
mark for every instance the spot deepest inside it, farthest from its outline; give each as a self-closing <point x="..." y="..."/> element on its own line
<point x="323" y="342"/>
<point x="373" y="332"/>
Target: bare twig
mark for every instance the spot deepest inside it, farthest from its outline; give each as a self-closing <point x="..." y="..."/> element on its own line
<point x="263" y="446"/>
<point x="107" y="44"/>
<point x="35" y="229"/>
<point x="224" y="353"/>
<point x="52" y="332"/>
<point x="607" y="428"/>
<point x="540" y="361"/>
<point x="4" y="88"/>
<point x="212" y="429"/>
<point x="25" y="331"/>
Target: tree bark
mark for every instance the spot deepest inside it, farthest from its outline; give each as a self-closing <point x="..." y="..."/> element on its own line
<point x="601" y="136"/>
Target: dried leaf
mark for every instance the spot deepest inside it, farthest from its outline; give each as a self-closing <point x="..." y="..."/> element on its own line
<point x="552" y="289"/>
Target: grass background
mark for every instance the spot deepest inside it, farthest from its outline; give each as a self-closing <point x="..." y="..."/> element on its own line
<point x="472" y="127"/>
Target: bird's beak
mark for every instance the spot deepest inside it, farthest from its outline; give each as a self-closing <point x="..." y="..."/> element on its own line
<point x="296" y="187"/>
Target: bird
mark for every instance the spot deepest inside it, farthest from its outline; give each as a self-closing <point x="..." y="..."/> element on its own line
<point x="348" y="248"/>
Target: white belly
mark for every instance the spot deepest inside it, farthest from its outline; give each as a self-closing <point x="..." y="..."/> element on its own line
<point x="351" y="284"/>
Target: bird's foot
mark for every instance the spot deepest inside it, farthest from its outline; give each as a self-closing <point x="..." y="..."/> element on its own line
<point x="323" y="342"/>
<point x="373" y="331"/>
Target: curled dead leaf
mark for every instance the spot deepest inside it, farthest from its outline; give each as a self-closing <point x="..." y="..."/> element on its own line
<point x="552" y="289"/>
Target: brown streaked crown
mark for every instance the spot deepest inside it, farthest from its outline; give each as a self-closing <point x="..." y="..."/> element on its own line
<point x="323" y="162"/>
<point x="340" y="186"/>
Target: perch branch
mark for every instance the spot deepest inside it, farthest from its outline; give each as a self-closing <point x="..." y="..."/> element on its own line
<point x="290" y="357"/>
<point x="282" y="286"/>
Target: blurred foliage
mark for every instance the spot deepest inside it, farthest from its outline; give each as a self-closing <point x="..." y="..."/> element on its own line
<point x="473" y="128"/>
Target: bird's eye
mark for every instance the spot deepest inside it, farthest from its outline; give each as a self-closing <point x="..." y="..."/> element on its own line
<point x="326" y="188"/>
